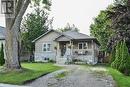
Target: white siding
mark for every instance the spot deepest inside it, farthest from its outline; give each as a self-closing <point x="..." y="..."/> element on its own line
<point x="40" y="55"/>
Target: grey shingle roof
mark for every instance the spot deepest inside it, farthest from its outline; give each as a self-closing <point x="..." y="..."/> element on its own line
<point x="70" y="34"/>
<point x="77" y="35"/>
<point x="2" y="33"/>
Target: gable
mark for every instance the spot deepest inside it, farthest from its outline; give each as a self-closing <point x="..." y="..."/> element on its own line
<point x="63" y="38"/>
<point x="50" y="36"/>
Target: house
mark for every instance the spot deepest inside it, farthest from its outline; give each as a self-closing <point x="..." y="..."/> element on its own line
<point x="2" y="38"/>
<point x="2" y="35"/>
<point x="66" y="47"/>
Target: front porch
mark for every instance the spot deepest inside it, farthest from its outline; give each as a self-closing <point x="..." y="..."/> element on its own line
<point x="71" y="50"/>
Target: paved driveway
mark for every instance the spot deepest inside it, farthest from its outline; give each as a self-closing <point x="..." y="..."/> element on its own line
<point x="77" y="77"/>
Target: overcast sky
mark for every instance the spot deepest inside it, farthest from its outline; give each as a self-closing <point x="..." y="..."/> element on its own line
<point x="78" y="12"/>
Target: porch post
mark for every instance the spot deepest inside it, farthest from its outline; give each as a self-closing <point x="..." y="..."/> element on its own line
<point x="93" y="59"/>
<point x="58" y="50"/>
<point x="70" y="47"/>
<point x="92" y="44"/>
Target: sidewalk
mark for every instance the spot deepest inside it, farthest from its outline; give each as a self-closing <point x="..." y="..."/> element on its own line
<point x="8" y="85"/>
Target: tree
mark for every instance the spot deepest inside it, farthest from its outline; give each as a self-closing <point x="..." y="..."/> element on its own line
<point x="12" y="42"/>
<point x="122" y="58"/>
<point x="125" y="61"/>
<point x="120" y="17"/>
<point x="68" y="27"/>
<point x="34" y="25"/>
<point x="2" y="60"/>
<point x="118" y="56"/>
<point x="101" y="29"/>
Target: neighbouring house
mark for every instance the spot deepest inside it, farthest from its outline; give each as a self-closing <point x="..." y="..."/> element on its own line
<point x="23" y="57"/>
<point x="2" y="38"/>
<point x="2" y="35"/>
<point x="66" y="47"/>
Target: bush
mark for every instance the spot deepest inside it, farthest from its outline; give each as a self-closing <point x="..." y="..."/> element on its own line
<point x="113" y="53"/>
<point x="122" y="58"/>
<point x="2" y="60"/>
<point x="125" y="61"/>
<point x="116" y="63"/>
<point x="52" y="61"/>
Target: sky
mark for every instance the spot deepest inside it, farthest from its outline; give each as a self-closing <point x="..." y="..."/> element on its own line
<point x="77" y="12"/>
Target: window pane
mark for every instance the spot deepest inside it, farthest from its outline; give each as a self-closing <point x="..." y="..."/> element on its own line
<point x="48" y="47"/>
<point x="80" y="46"/>
<point x="44" y="49"/>
<point x="84" y="45"/>
<point x="44" y="45"/>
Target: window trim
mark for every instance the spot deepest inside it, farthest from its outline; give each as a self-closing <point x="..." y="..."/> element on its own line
<point x="46" y="47"/>
<point x="83" y="45"/>
<point x="78" y="46"/>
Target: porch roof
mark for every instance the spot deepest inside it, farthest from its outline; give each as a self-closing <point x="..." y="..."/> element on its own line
<point x="63" y="38"/>
<point x="76" y="35"/>
<point x="73" y="35"/>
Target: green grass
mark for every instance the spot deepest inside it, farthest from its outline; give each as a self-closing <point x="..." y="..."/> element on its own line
<point x="31" y="71"/>
<point x="121" y="80"/>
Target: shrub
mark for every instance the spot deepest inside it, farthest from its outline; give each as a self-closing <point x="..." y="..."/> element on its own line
<point x="52" y="61"/>
<point x="2" y="60"/>
<point x="125" y="61"/>
<point x="113" y="53"/>
<point x="116" y="63"/>
<point x="122" y="58"/>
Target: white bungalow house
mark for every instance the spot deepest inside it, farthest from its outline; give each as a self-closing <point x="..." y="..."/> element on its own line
<point x="65" y="47"/>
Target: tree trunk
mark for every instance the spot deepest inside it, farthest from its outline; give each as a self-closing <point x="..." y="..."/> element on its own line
<point x="11" y="47"/>
<point x="12" y="42"/>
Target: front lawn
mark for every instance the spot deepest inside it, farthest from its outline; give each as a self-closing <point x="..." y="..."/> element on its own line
<point x="121" y="80"/>
<point x="31" y="71"/>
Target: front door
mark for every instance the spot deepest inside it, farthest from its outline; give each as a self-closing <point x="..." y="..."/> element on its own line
<point x="63" y="49"/>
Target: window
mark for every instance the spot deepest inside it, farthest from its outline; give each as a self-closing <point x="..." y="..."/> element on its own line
<point x="82" y="45"/>
<point x="46" y="47"/>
